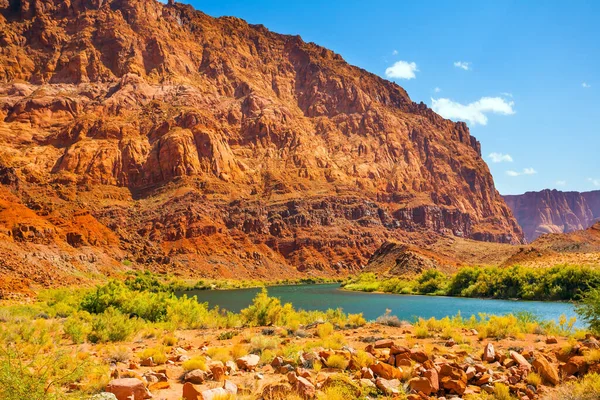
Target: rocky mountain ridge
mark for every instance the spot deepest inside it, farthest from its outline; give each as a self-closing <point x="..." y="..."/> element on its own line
<point x="554" y="211"/>
<point x="134" y="131"/>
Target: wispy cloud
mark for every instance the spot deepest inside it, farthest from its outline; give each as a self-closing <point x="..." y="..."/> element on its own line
<point x="526" y="171"/>
<point x="437" y="90"/>
<point x="463" y="65"/>
<point x="499" y="157"/>
<point x="402" y="70"/>
<point x="586" y="85"/>
<point x="507" y="94"/>
<point x="395" y="52"/>
<point x="595" y="182"/>
<point x="560" y="183"/>
<point x="474" y="113"/>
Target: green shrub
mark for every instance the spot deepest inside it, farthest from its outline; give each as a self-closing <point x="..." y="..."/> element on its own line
<point x="263" y="311"/>
<point x="112" y="326"/>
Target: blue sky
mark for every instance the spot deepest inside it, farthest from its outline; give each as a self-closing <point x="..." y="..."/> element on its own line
<point x="524" y="74"/>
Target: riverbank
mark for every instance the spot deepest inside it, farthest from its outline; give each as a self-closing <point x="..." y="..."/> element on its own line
<point x="76" y="343"/>
<point x="559" y="283"/>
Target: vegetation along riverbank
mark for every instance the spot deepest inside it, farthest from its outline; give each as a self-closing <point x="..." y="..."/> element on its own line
<point x="560" y="283"/>
<point x="77" y="343"/>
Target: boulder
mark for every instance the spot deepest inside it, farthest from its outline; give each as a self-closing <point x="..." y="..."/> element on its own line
<point x="218" y="370"/>
<point x="453" y="379"/>
<point x="191" y="392"/>
<point x="546" y="370"/>
<point x="575" y="366"/>
<point x="384" y="344"/>
<point x="196" y="376"/>
<point x="420" y="384"/>
<point x="519" y="359"/>
<point x="128" y="389"/>
<point x="395" y="350"/>
<point x="419" y="356"/>
<point x="389" y="387"/>
<point x="386" y="371"/>
<point x="304" y="388"/>
<point x="489" y="353"/>
<point x="248" y="363"/>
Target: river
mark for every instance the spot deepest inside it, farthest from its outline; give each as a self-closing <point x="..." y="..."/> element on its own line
<point x="372" y="305"/>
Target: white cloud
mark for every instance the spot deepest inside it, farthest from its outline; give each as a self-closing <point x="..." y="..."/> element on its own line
<point x="507" y="94"/>
<point x="474" y="113"/>
<point x="586" y="85"/>
<point x="595" y="182"/>
<point x="526" y="171"/>
<point x="437" y="90"/>
<point x="402" y="70"/>
<point x="395" y="52"/>
<point x="499" y="157"/>
<point x="463" y="65"/>
<point x="560" y="183"/>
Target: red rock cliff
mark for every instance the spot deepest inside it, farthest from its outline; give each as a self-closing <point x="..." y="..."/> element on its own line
<point x="134" y="129"/>
<point x="553" y="211"/>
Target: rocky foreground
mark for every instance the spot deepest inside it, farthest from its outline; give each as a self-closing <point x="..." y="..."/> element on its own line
<point x="377" y="361"/>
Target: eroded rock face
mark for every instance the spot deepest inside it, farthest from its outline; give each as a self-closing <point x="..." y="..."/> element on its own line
<point x="180" y="134"/>
<point x="553" y="211"/>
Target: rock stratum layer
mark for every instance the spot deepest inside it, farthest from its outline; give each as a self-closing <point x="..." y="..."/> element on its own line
<point x="553" y="211"/>
<point x="135" y="130"/>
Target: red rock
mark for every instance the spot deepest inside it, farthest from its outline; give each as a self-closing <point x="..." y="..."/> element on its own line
<point x="395" y="350"/>
<point x="551" y="340"/>
<point x="575" y="366"/>
<point x="403" y="362"/>
<point x="453" y="379"/>
<point x="384" y="344"/>
<point x="385" y="371"/>
<point x="422" y="385"/>
<point x="389" y="387"/>
<point x="489" y="353"/>
<point x="470" y="371"/>
<point x="125" y="388"/>
<point x="251" y="120"/>
<point x="366" y="373"/>
<point x="304" y="388"/>
<point x="248" y="363"/>
<point x="552" y="211"/>
<point x="159" y="386"/>
<point x="546" y="369"/>
<point x="218" y="370"/>
<point x="191" y="392"/>
<point x="520" y="360"/>
<point x="419" y="356"/>
<point x="196" y="376"/>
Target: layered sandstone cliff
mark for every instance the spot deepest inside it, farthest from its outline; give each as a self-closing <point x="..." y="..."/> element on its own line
<point x="553" y="211"/>
<point x="135" y="130"/>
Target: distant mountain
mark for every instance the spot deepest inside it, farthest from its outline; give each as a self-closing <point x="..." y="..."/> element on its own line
<point x="553" y="211"/>
<point x="137" y="132"/>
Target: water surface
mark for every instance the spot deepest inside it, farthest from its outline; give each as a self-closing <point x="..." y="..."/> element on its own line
<point x="372" y="305"/>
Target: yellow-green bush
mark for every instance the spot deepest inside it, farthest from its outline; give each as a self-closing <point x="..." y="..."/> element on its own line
<point x="195" y="363"/>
